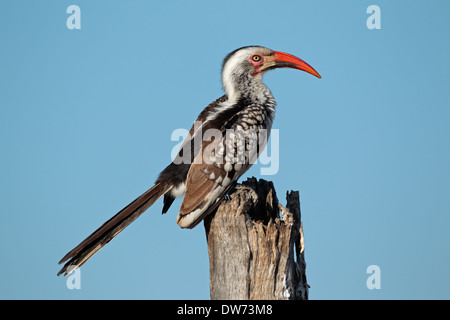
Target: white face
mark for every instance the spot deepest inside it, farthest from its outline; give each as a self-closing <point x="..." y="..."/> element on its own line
<point x="240" y="63"/>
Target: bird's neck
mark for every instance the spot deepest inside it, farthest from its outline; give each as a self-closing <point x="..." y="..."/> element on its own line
<point x="249" y="88"/>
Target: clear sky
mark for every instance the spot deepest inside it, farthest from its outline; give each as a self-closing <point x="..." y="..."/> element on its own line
<point x="86" y="118"/>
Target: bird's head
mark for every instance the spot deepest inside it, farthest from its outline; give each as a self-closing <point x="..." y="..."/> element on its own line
<point x="241" y="66"/>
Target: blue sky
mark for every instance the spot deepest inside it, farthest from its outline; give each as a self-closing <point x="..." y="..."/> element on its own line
<point x="86" y="118"/>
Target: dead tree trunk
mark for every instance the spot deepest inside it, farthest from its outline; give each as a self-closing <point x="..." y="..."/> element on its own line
<point x="253" y="252"/>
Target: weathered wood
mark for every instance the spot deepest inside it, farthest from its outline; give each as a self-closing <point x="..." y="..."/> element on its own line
<point x="254" y="253"/>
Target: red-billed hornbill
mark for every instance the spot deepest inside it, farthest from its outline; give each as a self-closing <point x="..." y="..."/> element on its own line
<point x="215" y="164"/>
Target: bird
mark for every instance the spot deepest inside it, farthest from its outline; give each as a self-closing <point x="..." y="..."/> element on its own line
<point x="225" y="140"/>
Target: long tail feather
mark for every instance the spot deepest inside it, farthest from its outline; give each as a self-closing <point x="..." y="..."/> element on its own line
<point x="111" y="228"/>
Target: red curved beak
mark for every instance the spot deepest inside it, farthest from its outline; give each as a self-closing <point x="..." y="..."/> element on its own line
<point x="285" y="60"/>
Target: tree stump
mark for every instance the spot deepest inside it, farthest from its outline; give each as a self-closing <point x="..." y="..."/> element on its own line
<point x="254" y="253"/>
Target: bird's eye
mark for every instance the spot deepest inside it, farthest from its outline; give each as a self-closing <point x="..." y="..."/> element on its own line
<point x="256" y="58"/>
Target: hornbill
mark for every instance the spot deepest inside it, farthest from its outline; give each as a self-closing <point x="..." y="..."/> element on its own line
<point x="214" y="165"/>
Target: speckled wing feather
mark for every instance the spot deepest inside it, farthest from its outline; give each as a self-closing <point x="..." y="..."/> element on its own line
<point x="223" y="160"/>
